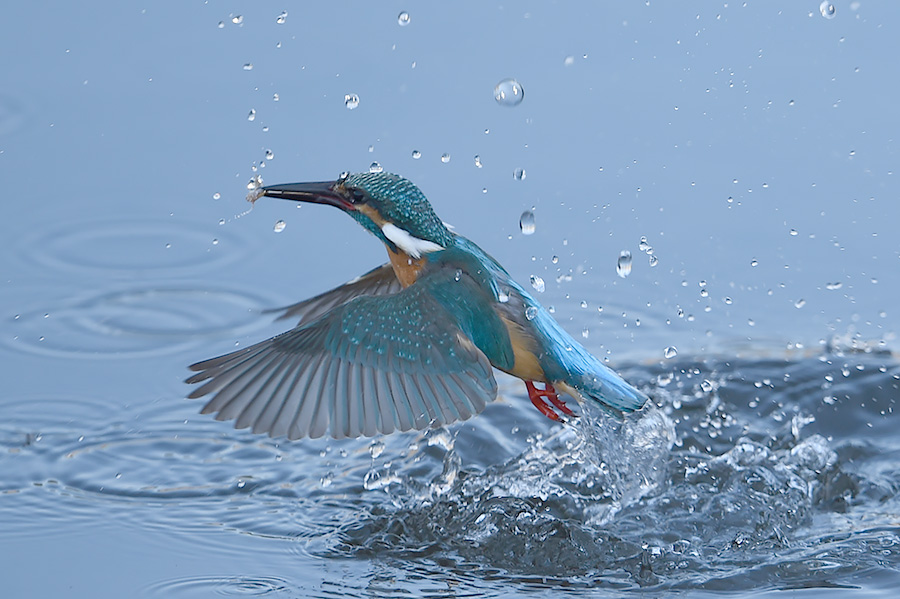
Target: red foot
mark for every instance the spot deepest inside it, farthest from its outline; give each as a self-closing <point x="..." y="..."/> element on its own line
<point x="548" y="392"/>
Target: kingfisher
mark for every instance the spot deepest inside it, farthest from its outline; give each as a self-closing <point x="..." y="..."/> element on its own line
<point x="408" y="345"/>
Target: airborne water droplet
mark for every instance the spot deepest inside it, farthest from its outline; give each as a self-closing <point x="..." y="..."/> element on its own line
<point x="251" y="116"/>
<point x="519" y="174"/>
<point x="827" y="9"/>
<point x="509" y="93"/>
<point x="623" y="265"/>
<point x="800" y="303"/>
<point x="270" y="154"/>
<point x="537" y="283"/>
<point x="526" y="222"/>
<point x="248" y="66"/>
<point x="237" y="19"/>
<point x="530" y="312"/>
<point x="478" y="161"/>
<point x="403" y="19"/>
<point x="416" y="154"/>
<point x="280" y="19"/>
<point x="279" y="226"/>
<point x="351" y="101"/>
<point x="643" y="245"/>
<point x="670" y="352"/>
<point x="445" y="157"/>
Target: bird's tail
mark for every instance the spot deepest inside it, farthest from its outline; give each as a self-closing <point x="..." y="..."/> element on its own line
<point x="610" y="391"/>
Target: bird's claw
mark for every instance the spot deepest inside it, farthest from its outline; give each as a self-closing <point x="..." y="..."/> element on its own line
<point x="538" y="396"/>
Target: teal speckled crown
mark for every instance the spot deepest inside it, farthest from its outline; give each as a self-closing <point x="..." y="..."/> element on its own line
<point x="400" y="202"/>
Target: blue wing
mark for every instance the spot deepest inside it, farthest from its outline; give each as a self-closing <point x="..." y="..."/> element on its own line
<point x="381" y="280"/>
<point x="372" y="364"/>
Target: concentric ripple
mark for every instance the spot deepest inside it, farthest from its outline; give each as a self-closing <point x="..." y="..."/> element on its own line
<point x="140" y="322"/>
<point x="123" y="246"/>
<point x="222" y="586"/>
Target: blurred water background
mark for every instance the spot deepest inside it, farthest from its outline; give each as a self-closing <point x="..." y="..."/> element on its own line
<point x="742" y="153"/>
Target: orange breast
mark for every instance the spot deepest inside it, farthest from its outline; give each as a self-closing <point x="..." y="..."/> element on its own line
<point x="526" y="365"/>
<point x="406" y="267"/>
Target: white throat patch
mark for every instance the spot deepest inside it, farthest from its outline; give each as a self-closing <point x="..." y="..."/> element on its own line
<point x="413" y="246"/>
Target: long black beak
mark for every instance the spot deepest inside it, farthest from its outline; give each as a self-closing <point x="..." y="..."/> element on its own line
<point x="320" y="192"/>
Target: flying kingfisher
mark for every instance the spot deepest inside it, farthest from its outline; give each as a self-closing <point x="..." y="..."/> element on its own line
<point x="410" y="343"/>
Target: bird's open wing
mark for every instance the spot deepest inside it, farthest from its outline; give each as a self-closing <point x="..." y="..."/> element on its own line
<point x="372" y="364"/>
<point x="381" y="280"/>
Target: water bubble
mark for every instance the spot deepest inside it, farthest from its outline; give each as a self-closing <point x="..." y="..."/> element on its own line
<point x="530" y="312"/>
<point x="403" y="19"/>
<point x="623" y="264"/>
<point x="670" y="352"/>
<point x="351" y="101"/>
<point x="280" y="19"/>
<point x="279" y="226"/>
<point x="445" y="157"/>
<point x="519" y="174"/>
<point x="827" y="9"/>
<point x="416" y="154"/>
<point x="478" y="161"/>
<point x="537" y="283"/>
<point x="375" y="168"/>
<point x="509" y="93"/>
<point x="251" y="116"/>
<point x="526" y="222"/>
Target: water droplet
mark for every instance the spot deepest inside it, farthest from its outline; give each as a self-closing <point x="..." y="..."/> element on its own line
<point x="215" y="241"/>
<point x="255" y="183"/>
<point x="403" y="19"/>
<point x="793" y="232"/>
<point x="827" y="9"/>
<point x="237" y="19"/>
<point x="217" y="196"/>
<point x="833" y="286"/>
<point x="351" y="101"/>
<point x="279" y="226"/>
<point x="251" y="116"/>
<point x="537" y="283"/>
<point x="270" y="154"/>
<point x="502" y="296"/>
<point x="569" y="61"/>
<point x="530" y="312"/>
<point x="221" y="25"/>
<point x="375" y="168"/>
<point x="519" y="174"/>
<point x="416" y="154"/>
<point x="584" y="304"/>
<point x="221" y="221"/>
<point x="670" y="352"/>
<point x="248" y="66"/>
<point x="754" y="263"/>
<point x="478" y="161"/>
<point x="509" y="93"/>
<point x="644" y="246"/>
<point x="728" y="301"/>
<point x="654" y="260"/>
<point x="554" y="259"/>
<point x="800" y="303"/>
<point x="585" y="332"/>
<point x="526" y="222"/>
<point x="280" y="19"/>
<point x="376" y="448"/>
<point x="275" y="97"/>
<point x="623" y="265"/>
<point x="445" y="157"/>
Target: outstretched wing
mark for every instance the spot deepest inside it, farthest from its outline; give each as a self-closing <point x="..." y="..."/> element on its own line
<point x="381" y="280"/>
<point x="372" y="364"/>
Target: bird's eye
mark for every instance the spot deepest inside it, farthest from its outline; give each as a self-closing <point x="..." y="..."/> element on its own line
<point x="357" y="196"/>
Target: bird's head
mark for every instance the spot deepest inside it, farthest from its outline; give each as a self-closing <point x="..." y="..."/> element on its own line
<point x="390" y="207"/>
